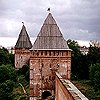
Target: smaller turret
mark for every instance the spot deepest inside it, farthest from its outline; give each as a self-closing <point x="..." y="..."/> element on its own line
<point x="23" y="40"/>
<point x="23" y="44"/>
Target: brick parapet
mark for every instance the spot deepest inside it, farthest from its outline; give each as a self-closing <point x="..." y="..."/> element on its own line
<point x="65" y="90"/>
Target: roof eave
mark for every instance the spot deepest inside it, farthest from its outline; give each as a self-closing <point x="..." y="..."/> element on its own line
<point x="52" y="49"/>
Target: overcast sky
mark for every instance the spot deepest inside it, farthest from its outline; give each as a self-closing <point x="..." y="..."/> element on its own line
<point x="77" y="19"/>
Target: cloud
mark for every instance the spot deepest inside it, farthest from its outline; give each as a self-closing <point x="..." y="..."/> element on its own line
<point x="78" y="19"/>
<point x="80" y="34"/>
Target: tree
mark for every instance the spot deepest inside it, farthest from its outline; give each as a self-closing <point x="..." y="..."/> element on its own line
<point x="7" y="72"/>
<point x="7" y="81"/>
<point x="79" y="65"/>
<point x="24" y="71"/>
<point x="94" y="55"/>
<point x="74" y="46"/>
<point x="95" y="75"/>
<point x="6" y="57"/>
<point x="6" y="89"/>
<point x="11" y="59"/>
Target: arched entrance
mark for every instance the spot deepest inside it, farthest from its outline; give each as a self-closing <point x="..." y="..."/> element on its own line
<point x="46" y="94"/>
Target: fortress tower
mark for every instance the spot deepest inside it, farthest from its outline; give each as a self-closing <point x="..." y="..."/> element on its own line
<point x="50" y="54"/>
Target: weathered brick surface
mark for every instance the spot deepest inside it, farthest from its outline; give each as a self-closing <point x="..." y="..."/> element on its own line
<point x="44" y="64"/>
<point x="22" y="57"/>
<point x="61" y="92"/>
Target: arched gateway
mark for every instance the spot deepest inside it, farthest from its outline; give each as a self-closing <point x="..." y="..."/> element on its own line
<point x="50" y="53"/>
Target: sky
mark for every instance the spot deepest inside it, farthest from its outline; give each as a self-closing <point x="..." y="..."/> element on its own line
<point x="9" y="42"/>
<point x="77" y="19"/>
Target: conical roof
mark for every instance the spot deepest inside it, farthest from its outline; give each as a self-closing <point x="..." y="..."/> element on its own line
<point x="23" y="40"/>
<point x="50" y="36"/>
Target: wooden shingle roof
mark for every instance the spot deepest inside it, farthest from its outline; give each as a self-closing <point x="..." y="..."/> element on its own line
<point x="23" y="40"/>
<point x="50" y="36"/>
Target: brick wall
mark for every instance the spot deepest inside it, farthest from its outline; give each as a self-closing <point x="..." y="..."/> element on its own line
<point x="22" y="57"/>
<point x="43" y="65"/>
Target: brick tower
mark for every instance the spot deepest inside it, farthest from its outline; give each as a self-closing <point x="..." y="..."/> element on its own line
<point x="50" y="54"/>
<point x="22" y="52"/>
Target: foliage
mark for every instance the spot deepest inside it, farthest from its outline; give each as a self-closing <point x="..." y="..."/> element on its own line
<point x="82" y="67"/>
<point x="94" y="63"/>
<point x="79" y="64"/>
<point x="22" y="82"/>
<point x="18" y="92"/>
<point x="9" y="76"/>
<point x="27" y="76"/>
<point x="6" y="89"/>
<point x="94" y="55"/>
<point x="74" y="46"/>
<point x="95" y="75"/>
<point x="11" y="58"/>
<point x="7" y="81"/>
<point x="24" y="71"/>
<point x="7" y="72"/>
<point x="5" y="57"/>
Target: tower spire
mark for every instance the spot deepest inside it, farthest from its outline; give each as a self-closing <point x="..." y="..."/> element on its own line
<point x="50" y="37"/>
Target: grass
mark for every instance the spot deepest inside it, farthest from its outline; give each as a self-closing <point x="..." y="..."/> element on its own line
<point x="85" y="87"/>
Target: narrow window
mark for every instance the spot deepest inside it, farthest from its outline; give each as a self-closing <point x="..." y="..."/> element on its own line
<point x="41" y="52"/>
<point x="37" y="53"/>
<point x="57" y="53"/>
<point x="49" y="77"/>
<point x="45" y="52"/>
<point x="62" y="53"/>
<point x="66" y="53"/>
<point x="54" y="53"/>
<point x="49" y="53"/>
